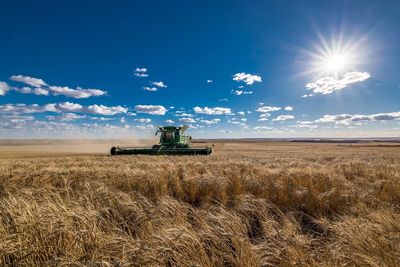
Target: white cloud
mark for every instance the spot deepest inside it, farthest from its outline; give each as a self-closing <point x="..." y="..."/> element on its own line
<point x="29" y="90"/>
<point x="187" y="119"/>
<point x="262" y="119"/>
<point x="41" y="88"/>
<point x="170" y="121"/>
<point x="145" y="127"/>
<point x="347" y="118"/>
<point x="66" y="117"/>
<point x="35" y="82"/>
<point x="223" y="99"/>
<point x="22" y="126"/>
<point x="265" y="115"/>
<point x="283" y="118"/>
<point x="24" y="90"/>
<point x="159" y="84"/>
<point x="244" y="125"/>
<point x="104" y="110"/>
<point x="249" y="79"/>
<point x="182" y="114"/>
<point x="142" y="75"/>
<point x="209" y="81"/>
<point x="225" y="131"/>
<point x="151" y="89"/>
<point x="4" y="87"/>
<point x="14" y="122"/>
<point x="241" y="113"/>
<point x="68" y="106"/>
<point x="265" y="109"/>
<point x="212" y="111"/>
<point x="23" y="108"/>
<point x="40" y="91"/>
<point x="288" y="108"/>
<point x="14" y="119"/>
<point x="209" y="122"/>
<point x="304" y="122"/>
<point x="143" y="120"/>
<point x="328" y="85"/>
<point x="238" y="92"/>
<point x="151" y="109"/>
<point x="304" y="96"/>
<point x="61" y="107"/>
<point x="306" y="126"/>
<point x="140" y="70"/>
<point x="75" y="93"/>
<point x="101" y="118"/>
<point x="92" y="109"/>
<point x="338" y="119"/>
<point x="191" y="126"/>
<point x="122" y="120"/>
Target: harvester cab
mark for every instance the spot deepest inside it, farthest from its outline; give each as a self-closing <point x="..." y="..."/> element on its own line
<point x="173" y="137"/>
<point x="173" y="141"/>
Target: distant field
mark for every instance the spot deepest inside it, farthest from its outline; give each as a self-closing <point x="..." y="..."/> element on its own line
<point x="248" y="204"/>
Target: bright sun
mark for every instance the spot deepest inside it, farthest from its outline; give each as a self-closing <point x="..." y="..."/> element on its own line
<point x="334" y="57"/>
<point x="335" y="63"/>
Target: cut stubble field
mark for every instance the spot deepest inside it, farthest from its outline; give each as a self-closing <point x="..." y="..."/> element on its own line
<point x="248" y="204"/>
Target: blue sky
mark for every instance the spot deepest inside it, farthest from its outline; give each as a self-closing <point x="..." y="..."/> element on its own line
<point x="227" y="68"/>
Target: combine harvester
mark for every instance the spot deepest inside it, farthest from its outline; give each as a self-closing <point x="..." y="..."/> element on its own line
<point x="172" y="142"/>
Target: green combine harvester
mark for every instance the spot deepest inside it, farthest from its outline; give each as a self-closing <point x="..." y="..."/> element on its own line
<point x="173" y="141"/>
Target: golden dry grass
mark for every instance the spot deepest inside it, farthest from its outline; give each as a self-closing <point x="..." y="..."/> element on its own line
<point x="249" y="204"/>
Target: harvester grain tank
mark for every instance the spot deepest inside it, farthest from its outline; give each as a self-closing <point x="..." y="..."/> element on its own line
<point x="173" y="141"/>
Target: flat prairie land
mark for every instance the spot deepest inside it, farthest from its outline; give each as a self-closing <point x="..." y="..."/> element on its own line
<point x="248" y="204"/>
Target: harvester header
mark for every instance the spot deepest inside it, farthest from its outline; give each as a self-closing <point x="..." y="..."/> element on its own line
<point x="173" y="141"/>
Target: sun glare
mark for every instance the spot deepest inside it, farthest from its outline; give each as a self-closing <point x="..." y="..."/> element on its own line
<point x="335" y="63"/>
<point x="334" y="56"/>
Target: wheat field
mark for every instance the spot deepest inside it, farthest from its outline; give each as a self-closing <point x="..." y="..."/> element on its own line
<point x="248" y="204"/>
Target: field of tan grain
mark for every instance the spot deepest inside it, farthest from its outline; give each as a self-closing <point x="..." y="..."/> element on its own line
<point x="248" y="204"/>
